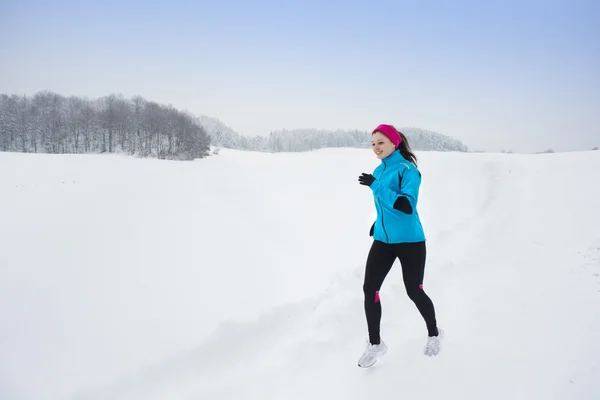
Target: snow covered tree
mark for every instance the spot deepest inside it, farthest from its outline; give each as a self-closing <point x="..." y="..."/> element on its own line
<point x="294" y="140"/>
<point x="51" y="123"/>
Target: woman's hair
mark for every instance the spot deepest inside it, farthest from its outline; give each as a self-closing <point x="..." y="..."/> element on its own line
<point x="405" y="149"/>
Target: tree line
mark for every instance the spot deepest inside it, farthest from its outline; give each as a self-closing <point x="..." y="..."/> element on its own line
<point x="50" y="123"/>
<point x="295" y="140"/>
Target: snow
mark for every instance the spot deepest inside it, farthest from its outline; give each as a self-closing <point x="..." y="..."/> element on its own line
<point x="239" y="276"/>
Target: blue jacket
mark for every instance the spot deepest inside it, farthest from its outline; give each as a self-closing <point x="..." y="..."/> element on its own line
<point x="395" y="177"/>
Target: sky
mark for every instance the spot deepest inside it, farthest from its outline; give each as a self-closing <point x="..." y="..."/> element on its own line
<point x="513" y="75"/>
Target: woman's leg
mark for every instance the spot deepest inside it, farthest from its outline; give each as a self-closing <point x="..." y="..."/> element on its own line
<point x="412" y="257"/>
<point x="379" y="262"/>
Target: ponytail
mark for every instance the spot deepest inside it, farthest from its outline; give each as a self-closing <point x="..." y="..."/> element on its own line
<point x="405" y="149"/>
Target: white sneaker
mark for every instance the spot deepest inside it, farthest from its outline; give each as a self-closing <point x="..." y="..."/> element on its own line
<point x="372" y="354"/>
<point x="434" y="343"/>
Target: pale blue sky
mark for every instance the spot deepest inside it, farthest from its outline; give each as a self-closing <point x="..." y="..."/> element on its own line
<point x="519" y="75"/>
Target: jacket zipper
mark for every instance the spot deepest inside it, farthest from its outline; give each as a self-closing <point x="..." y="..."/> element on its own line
<point x="381" y="208"/>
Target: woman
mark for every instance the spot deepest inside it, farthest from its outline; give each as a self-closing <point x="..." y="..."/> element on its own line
<point x="397" y="233"/>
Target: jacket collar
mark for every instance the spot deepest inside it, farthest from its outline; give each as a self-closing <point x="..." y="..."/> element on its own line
<point x="395" y="157"/>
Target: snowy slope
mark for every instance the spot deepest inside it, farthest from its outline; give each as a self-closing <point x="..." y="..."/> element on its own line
<point x="240" y="277"/>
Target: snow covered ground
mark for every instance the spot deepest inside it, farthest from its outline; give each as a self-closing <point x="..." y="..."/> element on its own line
<point x="240" y="277"/>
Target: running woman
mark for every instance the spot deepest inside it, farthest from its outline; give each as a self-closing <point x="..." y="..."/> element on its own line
<point x="397" y="233"/>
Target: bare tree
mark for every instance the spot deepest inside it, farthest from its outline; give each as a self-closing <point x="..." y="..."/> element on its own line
<point x="50" y="123"/>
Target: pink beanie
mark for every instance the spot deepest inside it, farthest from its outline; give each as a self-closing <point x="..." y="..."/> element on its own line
<point x="390" y="132"/>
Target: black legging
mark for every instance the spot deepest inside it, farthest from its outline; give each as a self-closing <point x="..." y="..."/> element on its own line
<point x="379" y="262"/>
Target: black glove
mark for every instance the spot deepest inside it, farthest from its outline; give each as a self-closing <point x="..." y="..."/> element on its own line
<point x="366" y="179"/>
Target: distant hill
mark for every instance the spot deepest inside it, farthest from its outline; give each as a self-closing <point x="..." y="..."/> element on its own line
<point x="422" y="139"/>
<point x="294" y="140"/>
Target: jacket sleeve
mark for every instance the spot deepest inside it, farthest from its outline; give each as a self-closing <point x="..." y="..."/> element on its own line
<point x="411" y="181"/>
<point x="409" y="191"/>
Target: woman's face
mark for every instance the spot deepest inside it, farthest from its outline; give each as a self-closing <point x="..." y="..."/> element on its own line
<point x="382" y="146"/>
